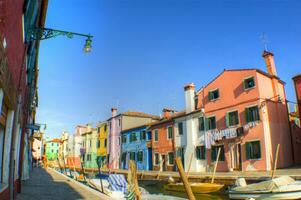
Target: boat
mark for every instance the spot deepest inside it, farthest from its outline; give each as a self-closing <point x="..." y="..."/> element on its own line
<point x="283" y="187"/>
<point x="197" y="188"/>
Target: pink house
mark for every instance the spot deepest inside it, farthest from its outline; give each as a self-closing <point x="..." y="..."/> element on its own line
<point x="121" y="122"/>
<point x="246" y="115"/>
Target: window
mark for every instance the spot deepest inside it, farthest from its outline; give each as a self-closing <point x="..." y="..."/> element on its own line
<point x="169" y="132"/>
<point x="200" y="153"/>
<point x="214" y="152"/>
<point x="211" y="123"/>
<point x="232" y="118"/>
<point x="90" y="143"/>
<point x="123" y="157"/>
<point x="252" y="114"/>
<point x="249" y="83"/>
<point x="156" y="159"/>
<point x="105" y="142"/>
<point x="105" y="128"/>
<point x="180" y="128"/>
<point x="149" y="135"/>
<point x="98" y="143"/>
<point x="140" y="156"/>
<point x="132" y="156"/>
<point x="142" y="135"/>
<point x="51" y="150"/>
<point x="201" y="124"/>
<point x="89" y="157"/>
<point x="123" y="139"/>
<point x="213" y="95"/>
<point x="133" y="137"/>
<point x="170" y="158"/>
<point x="98" y="129"/>
<point x="253" y="150"/>
<point x="119" y="122"/>
<point x="156" y="135"/>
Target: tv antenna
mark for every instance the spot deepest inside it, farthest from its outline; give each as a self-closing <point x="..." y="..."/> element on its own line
<point x="264" y="41"/>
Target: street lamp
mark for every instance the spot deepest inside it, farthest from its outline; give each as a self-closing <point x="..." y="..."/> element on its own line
<point x="46" y="33"/>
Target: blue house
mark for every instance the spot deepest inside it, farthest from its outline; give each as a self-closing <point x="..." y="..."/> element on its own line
<point x="136" y="145"/>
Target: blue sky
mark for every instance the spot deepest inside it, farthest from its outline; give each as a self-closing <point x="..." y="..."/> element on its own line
<point x="145" y="51"/>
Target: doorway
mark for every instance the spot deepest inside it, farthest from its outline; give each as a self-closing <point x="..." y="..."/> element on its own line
<point x="236" y="156"/>
<point x="164" y="164"/>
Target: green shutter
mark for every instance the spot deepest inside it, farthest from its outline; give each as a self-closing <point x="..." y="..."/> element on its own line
<point x="227" y="120"/>
<point x="247" y="115"/>
<point x="210" y="94"/>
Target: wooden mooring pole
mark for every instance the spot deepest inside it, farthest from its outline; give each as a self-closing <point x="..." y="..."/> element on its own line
<point x="215" y="166"/>
<point x="133" y="179"/>
<point x="184" y="179"/>
<point x="275" y="161"/>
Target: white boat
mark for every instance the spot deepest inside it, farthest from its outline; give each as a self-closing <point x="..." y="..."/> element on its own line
<point x="114" y="194"/>
<point x="279" y="188"/>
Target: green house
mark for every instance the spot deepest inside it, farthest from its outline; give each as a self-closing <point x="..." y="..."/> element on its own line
<point x="90" y="141"/>
<point x="52" y="149"/>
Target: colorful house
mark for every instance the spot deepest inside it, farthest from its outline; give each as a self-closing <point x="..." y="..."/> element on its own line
<point x="118" y="123"/>
<point x="102" y="131"/>
<point x="163" y="142"/>
<point x="90" y="140"/>
<point x="246" y="118"/>
<point x="52" y="149"/>
<point x="74" y="145"/>
<point x="296" y="117"/>
<point x="136" y="145"/>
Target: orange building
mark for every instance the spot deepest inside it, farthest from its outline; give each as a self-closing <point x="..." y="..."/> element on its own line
<point x="163" y="143"/>
<point x="295" y="125"/>
<point x="251" y="104"/>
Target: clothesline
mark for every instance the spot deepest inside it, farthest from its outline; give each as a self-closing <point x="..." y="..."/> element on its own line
<point x="212" y="136"/>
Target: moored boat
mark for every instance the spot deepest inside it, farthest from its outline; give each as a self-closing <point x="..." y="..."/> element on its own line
<point x="279" y="188"/>
<point x="198" y="188"/>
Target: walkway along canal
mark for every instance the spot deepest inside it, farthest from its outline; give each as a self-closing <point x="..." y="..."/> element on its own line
<point x="51" y="185"/>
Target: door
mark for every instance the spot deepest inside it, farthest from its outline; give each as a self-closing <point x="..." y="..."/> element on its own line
<point x="236" y="156"/>
<point x="164" y="164"/>
<point x="150" y="158"/>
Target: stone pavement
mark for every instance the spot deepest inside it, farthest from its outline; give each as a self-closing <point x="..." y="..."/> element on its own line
<point x="50" y="185"/>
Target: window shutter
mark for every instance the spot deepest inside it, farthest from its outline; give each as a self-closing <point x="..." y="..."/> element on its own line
<point x="247" y="115"/>
<point x="244" y="84"/>
<point x="210" y="95"/>
<point x="227" y="120"/>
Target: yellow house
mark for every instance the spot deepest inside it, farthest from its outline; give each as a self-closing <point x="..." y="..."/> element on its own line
<point x="102" y="131"/>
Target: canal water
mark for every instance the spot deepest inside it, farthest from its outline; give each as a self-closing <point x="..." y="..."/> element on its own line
<point x="157" y="187"/>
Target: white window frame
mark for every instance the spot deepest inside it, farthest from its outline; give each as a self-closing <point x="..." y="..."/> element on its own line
<point x="167" y="133"/>
<point x="246" y="89"/>
<point x="168" y="158"/>
<point x="155" y="135"/>
<point x="219" y="95"/>
<point x="237" y="116"/>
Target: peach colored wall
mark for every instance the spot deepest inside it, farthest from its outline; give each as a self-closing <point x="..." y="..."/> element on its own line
<point x="233" y="96"/>
<point x="278" y="120"/>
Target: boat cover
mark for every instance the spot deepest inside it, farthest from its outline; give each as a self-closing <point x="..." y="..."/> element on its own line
<point x="266" y="186"/>
<point x="117" y="182"/>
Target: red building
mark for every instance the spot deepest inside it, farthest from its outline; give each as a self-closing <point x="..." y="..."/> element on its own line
<point x="18" y="89"/>
<point x="296" y="130"/>
<point x="297" y="83"/>
<point x="163" y="142"/>
<point x="246" y="116"/>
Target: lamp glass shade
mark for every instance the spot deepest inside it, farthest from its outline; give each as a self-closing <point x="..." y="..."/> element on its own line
<point x="88" y="46"/>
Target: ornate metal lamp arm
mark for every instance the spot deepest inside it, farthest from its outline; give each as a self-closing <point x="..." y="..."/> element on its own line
<point x="45" y="33"/>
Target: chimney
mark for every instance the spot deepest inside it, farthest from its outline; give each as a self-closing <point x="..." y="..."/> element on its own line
<point x="189" y="97"/>
<point x="167" y="112"/>
<point x="114" y="112"/>
<point x="270" y="63"/>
